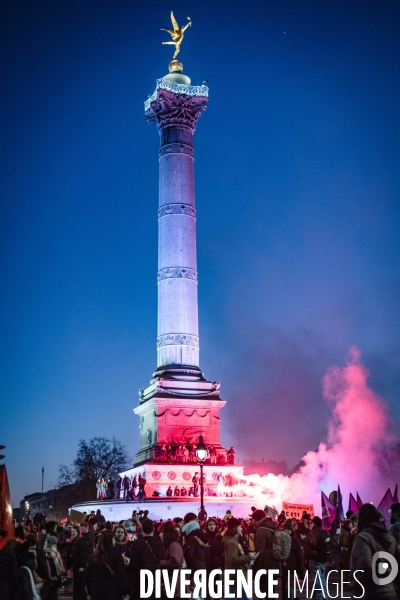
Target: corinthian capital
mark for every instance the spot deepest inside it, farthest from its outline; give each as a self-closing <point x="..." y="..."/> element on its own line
<point x="176" y="104"/>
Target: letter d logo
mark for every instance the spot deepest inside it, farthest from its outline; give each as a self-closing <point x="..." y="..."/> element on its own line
<point x="390" y="567"/>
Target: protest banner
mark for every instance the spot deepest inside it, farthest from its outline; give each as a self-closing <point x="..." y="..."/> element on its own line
<point x="76" y="516"/>
<point x="296" y="510"/>
<point x="270" y="512"/>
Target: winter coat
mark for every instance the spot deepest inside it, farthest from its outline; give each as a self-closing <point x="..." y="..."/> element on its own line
<point x="172" y="557"/>
<point x="371" y="539"/>
<point x="315" y="547"/>
<point x="173" y="560"/>
<point x="145" y="553"/>
<point x="301" y="532"/>
<point x="234" y="557"/>
<point x="264" y="534"/>
<point x="24" y="589"/>
<point x="123" y="548"/>
<point x="78" y="554"/>
<point x="62" y="537"/>
<point x="107" y="581"/>
<point x="8" y="572"/>
<point x="196" y="550"/>
<point x="295" y="560"/>
<point x="215" y="550"/>
<point x="99" y="519"/>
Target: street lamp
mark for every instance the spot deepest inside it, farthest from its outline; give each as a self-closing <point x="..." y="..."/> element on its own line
<point x="201" y="455"/>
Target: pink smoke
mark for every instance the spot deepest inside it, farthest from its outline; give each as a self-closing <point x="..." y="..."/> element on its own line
<point x="358" y="430"/>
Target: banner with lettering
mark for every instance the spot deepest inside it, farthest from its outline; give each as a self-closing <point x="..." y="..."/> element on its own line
<point x="296" y="510"/>
<point x="270" y="512"/>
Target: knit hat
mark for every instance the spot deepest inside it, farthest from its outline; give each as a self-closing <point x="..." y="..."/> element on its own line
<point x="129" y="526"/>
<point x="288" y="525"/>
<point x="368" y="514"/>
<point x="213" y="519"/>
<point x="52" y="540"/>
<point x="258" y="515"/>
<point x="190" y="527"/>
<point x="233" y="523"/>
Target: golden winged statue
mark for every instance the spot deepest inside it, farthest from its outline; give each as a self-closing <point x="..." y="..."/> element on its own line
<point x="176" y="33"/>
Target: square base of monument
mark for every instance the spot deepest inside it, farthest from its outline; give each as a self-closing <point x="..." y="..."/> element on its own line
<point x="168" y="508"/>
<point x="160" y="476"/>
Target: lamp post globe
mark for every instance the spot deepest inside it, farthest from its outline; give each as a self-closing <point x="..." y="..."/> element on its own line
<point x="201" y="450"/>
<point x="201" y="455"/>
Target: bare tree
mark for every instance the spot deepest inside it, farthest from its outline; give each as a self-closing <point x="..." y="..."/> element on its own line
<point x="99" y="457"/>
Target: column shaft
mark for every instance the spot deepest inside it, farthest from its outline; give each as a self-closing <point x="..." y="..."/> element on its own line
<point x="177" y="331"/>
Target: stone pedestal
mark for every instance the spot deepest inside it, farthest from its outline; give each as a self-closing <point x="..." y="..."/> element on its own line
<point x="160" y="477"/>
<point x="176" y="411"/>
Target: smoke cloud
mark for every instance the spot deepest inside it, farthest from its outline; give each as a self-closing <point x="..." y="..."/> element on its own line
<point x="359" y="433"/>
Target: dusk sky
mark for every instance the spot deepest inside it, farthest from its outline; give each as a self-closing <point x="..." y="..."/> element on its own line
<point x="298" y="203"/>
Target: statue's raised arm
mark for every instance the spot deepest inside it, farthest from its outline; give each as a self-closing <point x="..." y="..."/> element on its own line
<point x="176" y="33"/>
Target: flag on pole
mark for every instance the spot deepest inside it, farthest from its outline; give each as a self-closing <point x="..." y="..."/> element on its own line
<point x="339" y="507"/>
<point x="384" y="507"/>
<point x="328" y="512"/>
<point x="395" y="495"/>
<point x="353" y="506"/>
<point x="359" y="502"/>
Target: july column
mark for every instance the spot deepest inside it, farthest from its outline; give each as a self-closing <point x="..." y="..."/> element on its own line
<point x="175" y="107"/>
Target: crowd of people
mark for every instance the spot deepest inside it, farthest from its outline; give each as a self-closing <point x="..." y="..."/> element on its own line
<point x="186" y="453"/>
<point x="124" y="488"/>
<point x="104" y="559"/>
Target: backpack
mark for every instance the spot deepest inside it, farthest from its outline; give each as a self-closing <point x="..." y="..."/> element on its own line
<point x="280" y="550"/>
<point x="281" y="545"/>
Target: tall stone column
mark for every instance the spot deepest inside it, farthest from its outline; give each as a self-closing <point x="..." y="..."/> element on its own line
<point x="175" y="108"/>
<point x="179" y="404"/>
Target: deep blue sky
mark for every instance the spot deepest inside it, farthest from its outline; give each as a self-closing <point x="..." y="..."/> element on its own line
<point x="297" y="189"/>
